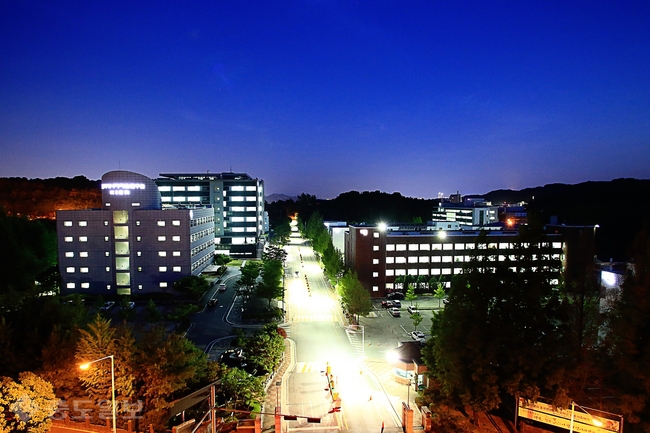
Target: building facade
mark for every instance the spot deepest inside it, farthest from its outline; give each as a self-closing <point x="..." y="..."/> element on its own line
<point x="381" y="254"/>
<point x="237" y="200"/>
<point x="132" y="245"/>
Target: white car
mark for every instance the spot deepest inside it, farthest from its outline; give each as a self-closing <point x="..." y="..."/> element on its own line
<point x="417" y="335"/>
<point x="107" y="306"/>
<point x="413" y="310"/>
<point x="222" y="287"/>
<point x="394" y="311"/>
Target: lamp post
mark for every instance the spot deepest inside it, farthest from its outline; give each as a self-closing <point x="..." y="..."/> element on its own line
<point x="86" y="365"/>
<point x="594" y="420"/>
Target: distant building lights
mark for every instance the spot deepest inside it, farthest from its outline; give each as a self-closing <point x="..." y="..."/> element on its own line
<point x="442" y="234"/>
<point x="381" y="227"/>
<point x="122" y="186"/>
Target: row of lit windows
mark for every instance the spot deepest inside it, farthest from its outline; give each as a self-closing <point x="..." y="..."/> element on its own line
<point x="240" y="198"/>
<point x="243" y="209"/>
<point x="85" y="270"/>
<point x="167" y="188"/>
<point x="446" y="271"/>
<point x="463" y="246"/>
<point x="108" y="286"/>
<point x="448" y="259"/>
<point x="248" y="219"/>
<point x="202" y="247"/>
<point x="243" y="229"/>
<point x="201" y="262"/>
<point x="243" y="188"/>
<point x="203" y="220"/>
<point x="182" y="199"/>
<point x="202" y="234"/>
<point x="160" y="223"/>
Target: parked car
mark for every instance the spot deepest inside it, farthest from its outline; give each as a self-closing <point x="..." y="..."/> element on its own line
<point x="397" y="303"/>
<point x="386" y="304"/>
<point x="395" y="295"/>
<point x="222" y="287"/>
<point x="413" y="310"/>
<point x="130" y="305"/>
<point x="107" y="306"/>
<point x="212" y="302"/>
<point x="417" y="335"/>
<point x="394" y="311"/>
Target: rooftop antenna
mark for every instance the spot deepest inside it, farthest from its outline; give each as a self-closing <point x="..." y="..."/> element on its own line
<point x="231" y="166"/>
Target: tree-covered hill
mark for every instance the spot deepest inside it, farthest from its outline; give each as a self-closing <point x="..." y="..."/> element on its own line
<point x="41" y="198"/>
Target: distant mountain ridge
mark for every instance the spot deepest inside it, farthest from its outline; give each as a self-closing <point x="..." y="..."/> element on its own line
<point x="280" y="197"/>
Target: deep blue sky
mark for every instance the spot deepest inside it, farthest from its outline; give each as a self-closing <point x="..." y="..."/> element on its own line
<point x="329" y="96"/>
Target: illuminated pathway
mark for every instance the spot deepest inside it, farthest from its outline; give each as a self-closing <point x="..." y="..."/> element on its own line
<point x="321" y="340"/>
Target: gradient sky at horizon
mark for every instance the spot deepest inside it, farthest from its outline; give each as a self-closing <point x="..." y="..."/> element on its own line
<point x="324" y="97"/>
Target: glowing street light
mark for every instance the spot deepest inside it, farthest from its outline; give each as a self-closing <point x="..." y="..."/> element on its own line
<point x="594" y="420"/>
<point x="86" y="366"/>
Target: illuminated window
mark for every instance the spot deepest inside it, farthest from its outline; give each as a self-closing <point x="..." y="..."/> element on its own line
<point x="470" y="246"/>
<point x="436" y="247"/>
<point x="108" y="287"/>
<point x="122" y="248"/>
<point x="178" y="188"/>
<point x="236" y="198"/>
<point x="390" y="273"/>
<point x="237" y="219"/>
<point x="238" y="229"/>
<point x="83" y="223"/>
<point x="162" y="268"/>
<point x="250" y="229"/>
<point x="106" y="223"/>
<point x="423" y="259"/>
<point x="401" y="247"/>
<point x="447" y="247"/>
<point x="161" y="223"/>
<point x="176" y="222"/>
<point x="435" y="259"/>
<point x="70" y="286"/>
<point x="138" y="238"/>
<point x="162" y="253"/>
<point x="83" y="238"/>
<point x="400" y="259"/>
<point x="424" y="247"/>
<point x="176" y="238"/>
<point x="250" y="198"/>
<point x="375" y="274"/>
<point x="446" y="259"/>
<point x="162" y="238"/>
<point x="459" y="246"/>
<point x="83" y="254"/>
<point x="178" y="199"/>
<point x="162" y="284"/>
<point x="122" y="263"/>
<point x="375" y="261"/>
<point x="412" y="271"/>
<point x="390" y="260"/>
<point x="68" y="239"/>
<point x="557" y="245"/>
<point x="83" y="270"/>
<point x="139" y="286"/>
<point x="70" y="270"/>
<point x="413" y="259"/>
<point x="120" y="217"/>
<point x="166" y="199"/>
<point x="137" y="223"/>
<point x="251" y="188"/>
<point x="85" y="285"/>
<point x="423" y="272"/>
<point x="123" y="278"/>
<point x="176" y="268"/>
<point x="375" y="235"/>
<point x="69" y="254"/>
<point x="67" y="223"/>
<point x="164" y="188"/>
<point x="176" y="254"/>
<point x="237" y="188"/>
<point x="121" y="232"/>
<point x="400" y="272"/>
<point x="375" y="247"/>
<point x="108" y="268"/>
<point x="107" y="254"/>
<point x="194" y="188"/>
<point x="413" y="247"/>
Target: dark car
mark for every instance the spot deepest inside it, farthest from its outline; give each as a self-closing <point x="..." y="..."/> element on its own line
<point x="212" y="302"/>
<point x="386" y="304"/>
<point x="395" y="295"/>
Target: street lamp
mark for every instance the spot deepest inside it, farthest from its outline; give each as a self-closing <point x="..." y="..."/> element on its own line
<point x="594" y="420"/>
<point x="86" y="365"/>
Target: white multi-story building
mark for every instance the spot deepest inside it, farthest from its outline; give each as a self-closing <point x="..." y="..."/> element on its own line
<point x="238" y="203"/>
<point x="132" y="245"/>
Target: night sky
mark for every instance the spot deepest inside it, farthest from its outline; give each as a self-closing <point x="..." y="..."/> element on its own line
<point x="324" y="97"/>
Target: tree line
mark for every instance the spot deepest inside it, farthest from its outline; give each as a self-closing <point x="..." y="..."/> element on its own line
<point x="509" y="331"/>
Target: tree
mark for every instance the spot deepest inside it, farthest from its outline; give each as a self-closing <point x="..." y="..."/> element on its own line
<point x="438" y="288"/>
<point x="237" y="384"/>
<point x="250" y="272"/>
<point x="101" y="340"/>
<point x="273" y="252"/>
<point x="628" y="339"/>
<point x="332" y="261"/>
<point x="152" y="315"/>
<point x="281" y="232"/>
<point x="410" y="295"/>
<point x="416" y="318"/>
<point x="265" y="348"/>
<point x="500" y="333"/>
<point x="221" y="259"/>
<point x="30" y="403"/>
<point x="193" y="285"/>
<point x="270" y="287"/>
<point x="353" y="295"/>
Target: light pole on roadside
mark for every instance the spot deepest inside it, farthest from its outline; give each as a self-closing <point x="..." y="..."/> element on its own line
<point x="86" y="365"/>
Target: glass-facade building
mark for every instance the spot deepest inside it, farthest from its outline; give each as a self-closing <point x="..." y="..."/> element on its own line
<point x="237" y="200"/>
